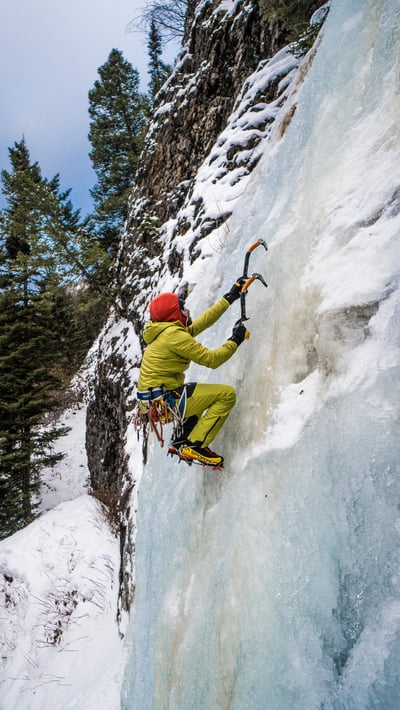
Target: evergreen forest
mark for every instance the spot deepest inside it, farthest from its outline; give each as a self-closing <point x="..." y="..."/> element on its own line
<point x="55" y="271"/>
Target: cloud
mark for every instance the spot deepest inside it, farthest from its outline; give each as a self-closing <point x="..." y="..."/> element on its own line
<point x="49" y="54"/>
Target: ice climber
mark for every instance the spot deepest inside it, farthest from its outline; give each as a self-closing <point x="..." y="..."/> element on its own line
<point x="171" y="347"/>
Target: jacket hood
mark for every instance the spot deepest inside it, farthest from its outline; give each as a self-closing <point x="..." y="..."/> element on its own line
<point x="153" y="329"/>
<point x="166" y="308"/>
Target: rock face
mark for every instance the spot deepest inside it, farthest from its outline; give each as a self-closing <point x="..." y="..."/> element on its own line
<point x="224" y="45"/>
<point x="222" y="48"/>
<point x="105" y="435"/>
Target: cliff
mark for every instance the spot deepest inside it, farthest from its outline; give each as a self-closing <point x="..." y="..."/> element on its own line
<point x="230" y="82"/>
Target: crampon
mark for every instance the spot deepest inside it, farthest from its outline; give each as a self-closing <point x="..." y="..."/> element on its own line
<point x="173" y="451"/>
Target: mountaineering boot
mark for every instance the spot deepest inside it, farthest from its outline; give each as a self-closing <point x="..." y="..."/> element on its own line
<point x="193" y="451"/>
<point x="180" y="437"/>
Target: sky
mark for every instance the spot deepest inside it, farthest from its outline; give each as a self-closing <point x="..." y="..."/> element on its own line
<point x="310" y="471"/>
<point x="49" y="55"/>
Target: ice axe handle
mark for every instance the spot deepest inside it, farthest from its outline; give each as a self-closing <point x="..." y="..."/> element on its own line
<point x="247" y="284"/>
<point x="250" y="280"/>
<point x="243" y="292"/>
<point x="243" y="297"/>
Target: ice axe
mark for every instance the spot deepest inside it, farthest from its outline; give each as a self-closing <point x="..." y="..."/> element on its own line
<point x="250" y="279"/>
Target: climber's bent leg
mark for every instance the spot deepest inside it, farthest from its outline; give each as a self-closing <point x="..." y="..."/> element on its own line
<point x="216" y="401"/>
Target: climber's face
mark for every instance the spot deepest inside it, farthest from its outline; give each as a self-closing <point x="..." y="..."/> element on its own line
<point x="186" y="314"/>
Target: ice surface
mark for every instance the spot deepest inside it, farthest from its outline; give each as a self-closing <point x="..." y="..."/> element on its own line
<point x="275" y="584"/>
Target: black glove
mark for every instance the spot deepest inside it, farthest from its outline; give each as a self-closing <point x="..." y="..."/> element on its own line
<point x="239" y="333"/>
<point x="234" y="293"/>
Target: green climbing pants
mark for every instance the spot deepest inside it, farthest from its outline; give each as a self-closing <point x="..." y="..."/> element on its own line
<point x="216" y="401"/>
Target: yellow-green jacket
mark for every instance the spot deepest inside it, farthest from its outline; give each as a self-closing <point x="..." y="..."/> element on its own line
<point x="171" y="347"/>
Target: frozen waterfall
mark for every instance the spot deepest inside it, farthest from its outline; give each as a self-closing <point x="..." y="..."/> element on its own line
<point x="275" y="585"/>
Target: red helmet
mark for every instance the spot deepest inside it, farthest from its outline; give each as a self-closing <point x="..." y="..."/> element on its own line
<point x="165" y="307"/>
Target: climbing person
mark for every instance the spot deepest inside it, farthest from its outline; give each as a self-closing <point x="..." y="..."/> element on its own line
<point x="171" y="347"/>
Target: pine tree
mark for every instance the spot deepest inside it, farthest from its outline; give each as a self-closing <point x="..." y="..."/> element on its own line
<point x="173" y="18"/>
<point x="159" y="72"/>
<point x="118" y="114"/>
<point x="30" y="352"/>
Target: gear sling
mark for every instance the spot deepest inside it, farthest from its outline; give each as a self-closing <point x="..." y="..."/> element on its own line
<point x="198" y="409"/>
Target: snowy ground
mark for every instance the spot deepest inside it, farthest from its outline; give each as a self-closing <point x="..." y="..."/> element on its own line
<point x="60" y="646"/>
<point x="337" y="239"/>
<point x="70" y="477"/>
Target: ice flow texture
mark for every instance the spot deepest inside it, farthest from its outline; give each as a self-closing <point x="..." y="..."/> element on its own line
<point x="277" y="584"/>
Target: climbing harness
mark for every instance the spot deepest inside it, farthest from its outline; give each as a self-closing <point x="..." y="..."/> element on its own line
<point x="158" y="406"/>
<point x="250" y="279"/>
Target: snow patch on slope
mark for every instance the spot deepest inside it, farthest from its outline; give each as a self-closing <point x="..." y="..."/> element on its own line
<point x="58" y="585"/>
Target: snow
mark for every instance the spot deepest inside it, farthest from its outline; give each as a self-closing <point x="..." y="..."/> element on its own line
<point x="70" y="477"/>
<point x="227" y="6"/>
<point x="221" y="180"/>
<point x="59" y="637"/>
<point x="279" y="578"/>
<point x="276" y="583"/>
<point x="59" y="579"/>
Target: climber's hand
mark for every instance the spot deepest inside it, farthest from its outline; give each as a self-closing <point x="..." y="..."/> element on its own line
<point x="239" y="333"/>
<point x="235" y="291"/>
